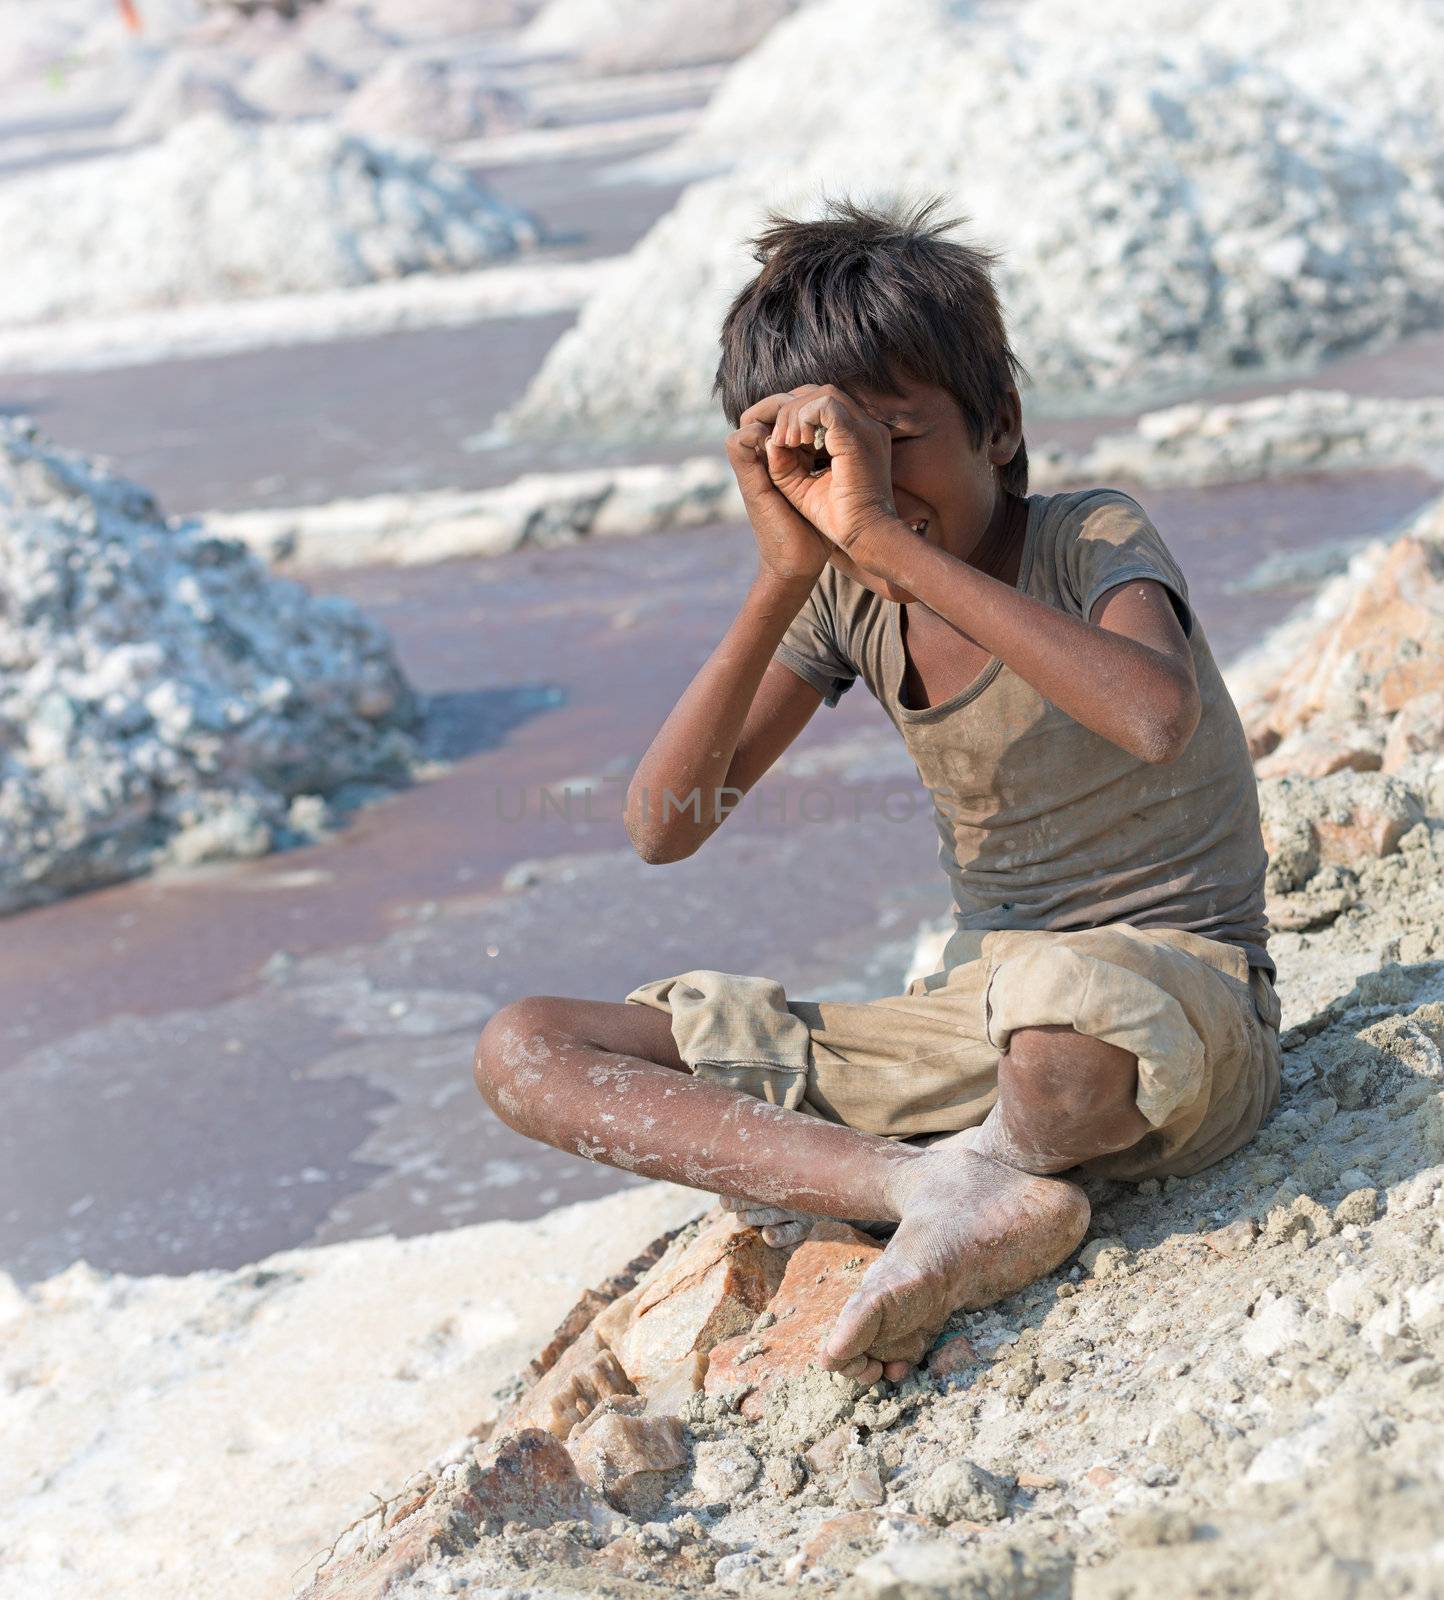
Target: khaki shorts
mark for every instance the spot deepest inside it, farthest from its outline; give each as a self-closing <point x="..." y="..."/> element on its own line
<point x="1203" y="1025"/>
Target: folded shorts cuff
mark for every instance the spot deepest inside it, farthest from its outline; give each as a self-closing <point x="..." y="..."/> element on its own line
<point x="735" y="1029"/>
<point x="1053" y="985"/>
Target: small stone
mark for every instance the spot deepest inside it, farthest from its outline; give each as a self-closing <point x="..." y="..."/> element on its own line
<point x="1234" y="1238"/>
<point x="960" y="1489"/>
<point x="1359" y="1207"/>
<point x="783" y="1475"/>
<point x="1101" y="1477"/>
<point x="1036" y="1480"/>
<point x="865" y="1488"/>
<point x="737" y="1572"/>
<point x="954" y="1355"/>
<point x="837" y="1545"/>
<point x="724" y="1469"/>
<point x="630" y="1461"/>
<point x="828" y="1454"/>
<point x="1106" y="1258"/>
<point x="1302" y="1218"/>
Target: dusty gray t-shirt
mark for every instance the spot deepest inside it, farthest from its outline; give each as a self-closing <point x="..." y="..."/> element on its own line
<point x="1044" y="824"/>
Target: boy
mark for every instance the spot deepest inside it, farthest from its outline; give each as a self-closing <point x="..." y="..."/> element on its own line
<point x="1105" y="1001"/>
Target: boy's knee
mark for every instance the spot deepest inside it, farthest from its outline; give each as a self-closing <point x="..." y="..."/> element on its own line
<point x="511" y="1051"/>
<point x="1072" y="1074"/>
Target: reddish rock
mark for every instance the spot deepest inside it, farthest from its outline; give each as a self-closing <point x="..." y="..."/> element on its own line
<point x="1341" y="820"/>
<point x="1234" y="1238"/>
<point x="830" y="1451"/>
<point x="1315" y="753"/>
<point x="631" y="1461"/>
<point x="1381" y="650"/>
<point x="586" y="1374"/>
<point x="1418" y="729"/>
<point x="825" y="1269"/>
<point x="956" y="1355"/>
<point x="1036" y="1480"/>
<point x="529" y="1480"/>
<point x="1101" y="1477"/>
<point x="569" y="1330"/>
<point x="838" y="1545"/>
<point x="669" y="1393"/>
<point x="704" y="1293"/>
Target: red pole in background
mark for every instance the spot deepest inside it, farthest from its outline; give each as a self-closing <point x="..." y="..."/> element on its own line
<point x="129" y="15"/>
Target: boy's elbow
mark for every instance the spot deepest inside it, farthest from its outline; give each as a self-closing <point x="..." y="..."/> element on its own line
<point x="1168" y="734"/>
<point x="654" y="845"/>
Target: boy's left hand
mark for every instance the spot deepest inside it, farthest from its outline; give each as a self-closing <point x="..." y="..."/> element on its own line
<point x="853" y="491"/>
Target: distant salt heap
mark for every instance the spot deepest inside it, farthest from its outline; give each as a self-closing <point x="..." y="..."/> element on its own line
<point x="295" y="82"/>
<point x="221" y="210"/>
<point x="165" y="697"/>
<point x="629" y="35"/>
<point x="1170" y="207"/>
<point x="436" y="102"/>
<point x="181" y="89"/>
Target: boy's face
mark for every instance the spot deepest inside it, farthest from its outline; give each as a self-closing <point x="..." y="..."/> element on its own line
<point x="939" y="476"/>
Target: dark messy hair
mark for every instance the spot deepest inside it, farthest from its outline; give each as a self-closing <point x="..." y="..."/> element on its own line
<point x="867" y="296"/>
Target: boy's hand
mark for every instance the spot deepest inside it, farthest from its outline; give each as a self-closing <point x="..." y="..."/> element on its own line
<point x="787" y="545"/>
<point x="847" y="489"/>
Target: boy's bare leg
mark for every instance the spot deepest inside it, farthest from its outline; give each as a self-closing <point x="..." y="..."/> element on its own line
<point x="970" y="1205"/>
<point x="604" y="1080"/>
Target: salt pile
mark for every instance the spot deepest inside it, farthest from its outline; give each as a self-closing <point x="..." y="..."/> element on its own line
<point x="437" y="102"/>
<point x="432" y="19"/>
<point x="181" y="89"/>
<point x="167" y="699"/>
<point x="632" y="35"/>
<point x="292" y="81"/>
<point x="1188" y="207"/>
<point x="223" y="210"/>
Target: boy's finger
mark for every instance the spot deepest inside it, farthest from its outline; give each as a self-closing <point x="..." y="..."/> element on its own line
<point x="764" y="410"/>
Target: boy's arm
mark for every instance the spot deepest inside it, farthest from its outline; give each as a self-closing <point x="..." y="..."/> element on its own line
<point x="742" y="709"/>
<point x="738" y="714"/>
<point x="1126" y="673"/>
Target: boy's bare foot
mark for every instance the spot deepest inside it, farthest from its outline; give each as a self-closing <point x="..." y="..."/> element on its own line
<point x="972" y="1231"/>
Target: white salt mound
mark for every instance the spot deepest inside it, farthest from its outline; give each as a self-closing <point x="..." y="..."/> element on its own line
<point x="1170" y="208"/>
<point x="165" y="697"/>
<point x="295" y="82"/>
<point x="220" y="211"/>
<point x="437" y="102"/>
<point x="181" y="89"/>
<point x="630" y="35"/>
<point x="436" y="19"/>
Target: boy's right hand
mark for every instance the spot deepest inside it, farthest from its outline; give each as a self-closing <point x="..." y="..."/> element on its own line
<point x="787" y="543"/>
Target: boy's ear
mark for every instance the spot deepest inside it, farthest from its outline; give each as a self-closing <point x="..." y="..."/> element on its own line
<point x="1007" y="429"/>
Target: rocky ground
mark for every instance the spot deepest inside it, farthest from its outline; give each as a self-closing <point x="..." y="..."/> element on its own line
<point x="1236" y="1386"/>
